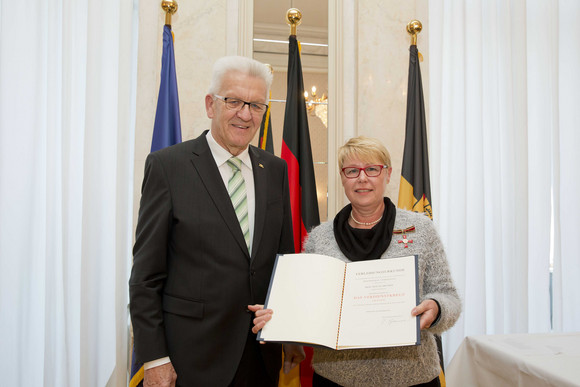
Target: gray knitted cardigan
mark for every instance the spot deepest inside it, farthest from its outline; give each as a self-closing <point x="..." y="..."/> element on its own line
<point x="397" y="366"/>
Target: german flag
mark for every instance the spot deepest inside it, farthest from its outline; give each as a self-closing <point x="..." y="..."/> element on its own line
<point x="297" y="152"/>
<point x="265" y="141"/>
<point x="166" y="132"/>
<point x="415" y="188"/>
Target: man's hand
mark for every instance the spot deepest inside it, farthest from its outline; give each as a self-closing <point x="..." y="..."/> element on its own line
<point x="293" y="355"/>
<point x="428" y="310"/>
<point x="160" y="376"/>
<point x="262" y="316"/>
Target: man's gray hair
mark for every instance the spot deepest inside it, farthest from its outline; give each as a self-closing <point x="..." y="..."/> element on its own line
<point x="241" y="64"/>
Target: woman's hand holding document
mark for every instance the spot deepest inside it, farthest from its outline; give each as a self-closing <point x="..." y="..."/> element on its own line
<point x="321" y="300"/>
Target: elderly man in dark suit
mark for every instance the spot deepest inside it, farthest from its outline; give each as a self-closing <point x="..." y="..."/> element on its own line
<point x="214" y="213"/>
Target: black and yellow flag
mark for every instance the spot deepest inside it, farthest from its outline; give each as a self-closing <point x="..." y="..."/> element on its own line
<point x="265" y="141"/>
<point x="415" y="188"/>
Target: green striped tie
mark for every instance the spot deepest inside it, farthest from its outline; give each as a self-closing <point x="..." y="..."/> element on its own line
<point x="237" y="191"/>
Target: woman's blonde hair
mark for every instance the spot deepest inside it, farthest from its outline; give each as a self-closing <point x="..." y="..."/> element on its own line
<point x="369" y="150"/>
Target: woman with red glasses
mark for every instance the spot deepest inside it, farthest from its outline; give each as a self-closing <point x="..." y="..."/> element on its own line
<point x="371" y="227"/>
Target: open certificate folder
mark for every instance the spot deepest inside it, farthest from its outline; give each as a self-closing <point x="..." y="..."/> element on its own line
<point x="321" y="300"/>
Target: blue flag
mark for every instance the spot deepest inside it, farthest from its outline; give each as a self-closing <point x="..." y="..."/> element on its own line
<point x="166" y="132"/>
<point x="167" y="129"/>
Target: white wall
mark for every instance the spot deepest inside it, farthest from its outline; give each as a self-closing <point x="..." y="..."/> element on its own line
<point x="369" y="77"/>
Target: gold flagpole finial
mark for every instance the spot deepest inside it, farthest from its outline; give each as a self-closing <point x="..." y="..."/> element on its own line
<point x="413" y="28"/>
<point x="294" y="18"/>
<point x="170" y="7"/>
<point x="269" y="66"/>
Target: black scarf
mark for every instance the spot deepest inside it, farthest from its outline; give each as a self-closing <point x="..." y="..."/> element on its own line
<point x="363" y="244"/>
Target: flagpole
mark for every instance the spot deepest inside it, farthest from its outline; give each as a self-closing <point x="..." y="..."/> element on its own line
<point x="166" y="132"/>
<point x="170" y="7"/>
<point x="413" y="28"/>
<point x="265" y="138"/>
<point x="294" y="18"/>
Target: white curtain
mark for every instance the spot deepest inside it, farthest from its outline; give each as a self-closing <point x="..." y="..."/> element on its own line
<point x="66" y="162"/>
<point x="504" y="129"/>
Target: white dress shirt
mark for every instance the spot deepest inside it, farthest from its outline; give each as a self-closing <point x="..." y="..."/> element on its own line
<point x="221" y="156"/>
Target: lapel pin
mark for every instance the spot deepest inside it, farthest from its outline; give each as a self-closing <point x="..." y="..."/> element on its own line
<point x="260" y="165"/>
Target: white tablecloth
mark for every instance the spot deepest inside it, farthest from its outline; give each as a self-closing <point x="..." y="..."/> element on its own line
<point x="516" y="360"/>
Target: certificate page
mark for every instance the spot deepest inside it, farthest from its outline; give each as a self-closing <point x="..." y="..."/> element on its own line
<point x="305" y="294"/>
<point x="378" y="298"/>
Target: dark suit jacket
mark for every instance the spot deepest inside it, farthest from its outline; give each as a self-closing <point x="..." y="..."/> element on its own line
<point x="192" y="275"/>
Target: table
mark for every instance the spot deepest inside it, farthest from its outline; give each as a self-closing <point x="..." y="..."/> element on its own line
<point x="516" y="360"/>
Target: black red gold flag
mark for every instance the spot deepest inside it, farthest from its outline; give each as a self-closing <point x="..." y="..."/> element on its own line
<point x="415" y="188"/>
<point x="297" y="152"/>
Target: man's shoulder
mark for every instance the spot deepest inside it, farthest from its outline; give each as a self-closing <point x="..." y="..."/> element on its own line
<point x="266" y="157"/>
<point x="183" y="148"/>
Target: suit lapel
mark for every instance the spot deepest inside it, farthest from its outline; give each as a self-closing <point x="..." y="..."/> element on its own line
<point x="260" y="184"/>
<point x="204" y="164"/>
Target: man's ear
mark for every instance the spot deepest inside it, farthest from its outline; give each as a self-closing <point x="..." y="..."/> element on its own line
<point x="209" y="106"/>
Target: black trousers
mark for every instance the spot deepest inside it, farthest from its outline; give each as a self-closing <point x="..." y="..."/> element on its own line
<point x="319" y="381"/>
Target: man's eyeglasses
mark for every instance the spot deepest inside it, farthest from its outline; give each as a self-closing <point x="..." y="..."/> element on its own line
<point x="370" y="171"/>
<point x="238" y="104"/>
